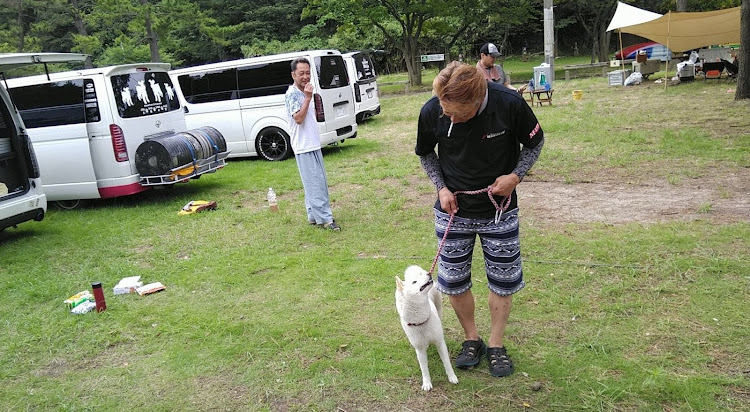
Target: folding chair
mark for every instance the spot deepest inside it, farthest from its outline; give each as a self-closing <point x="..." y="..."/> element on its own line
<point x="713" y="70"/>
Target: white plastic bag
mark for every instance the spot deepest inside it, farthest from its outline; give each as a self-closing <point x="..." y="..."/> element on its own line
<point x="633" y="79"/>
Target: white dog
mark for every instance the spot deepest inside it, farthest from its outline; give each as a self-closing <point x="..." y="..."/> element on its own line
<point x="420" y="307"/>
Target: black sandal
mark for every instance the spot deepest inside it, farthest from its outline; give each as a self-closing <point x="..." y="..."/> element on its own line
<point x="500" y="363"/>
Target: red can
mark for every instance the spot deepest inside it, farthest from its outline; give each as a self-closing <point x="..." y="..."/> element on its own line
<point x="101" y="305"/>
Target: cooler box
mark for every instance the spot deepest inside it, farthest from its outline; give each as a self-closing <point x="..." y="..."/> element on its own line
<point x="617" y="77"/>
<point x="542" y="76"/>
<point x="686" y="72"/>
<point x="646" y="68"/>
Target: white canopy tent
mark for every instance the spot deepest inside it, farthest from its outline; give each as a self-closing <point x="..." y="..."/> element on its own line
<point x="627" y="15"/>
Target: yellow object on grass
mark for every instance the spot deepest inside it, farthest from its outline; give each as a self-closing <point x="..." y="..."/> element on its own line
<point x="195" y="206"/>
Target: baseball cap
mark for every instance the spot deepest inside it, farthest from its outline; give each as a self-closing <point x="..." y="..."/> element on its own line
<point x="491" y="49"/>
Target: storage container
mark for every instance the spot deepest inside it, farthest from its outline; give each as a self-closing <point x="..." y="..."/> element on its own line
<point x="542" y="76"/>
<point x="617" y="77"/>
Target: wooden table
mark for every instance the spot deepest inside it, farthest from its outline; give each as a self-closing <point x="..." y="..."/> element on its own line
<point x="540" y="96"/>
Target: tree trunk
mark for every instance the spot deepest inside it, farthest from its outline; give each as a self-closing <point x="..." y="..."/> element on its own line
<point x="603" y="44"/>
<point x="81" y="29"/>
<point x="21" y="28"/>
<point x="743" y="75"/>
<point x="594" y="49"/>
<point x="153" y="41"/>
<point x="414" y="67"/>
<point x="681" y="5"/>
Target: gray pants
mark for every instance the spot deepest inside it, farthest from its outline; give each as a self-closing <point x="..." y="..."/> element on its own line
<point x="314" y="181"/>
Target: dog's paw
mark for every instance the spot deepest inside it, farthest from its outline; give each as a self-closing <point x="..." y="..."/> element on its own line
<point x="453" y="378"/>
<point x="426" y="385"/>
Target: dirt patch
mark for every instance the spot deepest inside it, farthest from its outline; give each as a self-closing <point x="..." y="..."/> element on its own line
<point x="725" y="199"/>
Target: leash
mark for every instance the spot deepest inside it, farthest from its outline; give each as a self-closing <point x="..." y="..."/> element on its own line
<point x="498" y="213"/>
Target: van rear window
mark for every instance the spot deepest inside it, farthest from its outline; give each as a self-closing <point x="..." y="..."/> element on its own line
<point x="363" y="67"/>
<point x="55" y="103"/>
<point x="331" y="72"/>
<point x="143" y="94"/>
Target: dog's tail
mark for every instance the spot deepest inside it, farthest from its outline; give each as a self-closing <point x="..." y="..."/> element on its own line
<point x="437" y="298"/>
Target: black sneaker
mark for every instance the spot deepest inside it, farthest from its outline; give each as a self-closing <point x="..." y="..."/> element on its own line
<point x="500" y="363"/>
<point x="332" y="226"/>
<point x="471" y="353"/>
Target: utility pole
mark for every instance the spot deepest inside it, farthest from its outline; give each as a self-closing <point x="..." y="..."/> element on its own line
<point x="549" y="37"/>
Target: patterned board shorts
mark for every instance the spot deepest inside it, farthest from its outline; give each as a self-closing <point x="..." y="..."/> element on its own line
<point x="501" y="247"/>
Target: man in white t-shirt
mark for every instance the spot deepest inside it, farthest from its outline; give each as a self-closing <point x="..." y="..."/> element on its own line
<point x="306" y="145"/>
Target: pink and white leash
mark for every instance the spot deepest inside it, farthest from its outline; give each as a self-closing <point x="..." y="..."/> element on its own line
<point x="498" y="213"/>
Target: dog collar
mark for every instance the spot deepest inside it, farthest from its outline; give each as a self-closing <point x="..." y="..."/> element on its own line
<point x="418" y="324"/>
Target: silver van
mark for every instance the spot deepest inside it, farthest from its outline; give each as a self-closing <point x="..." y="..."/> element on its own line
<point x="21" y="195"/>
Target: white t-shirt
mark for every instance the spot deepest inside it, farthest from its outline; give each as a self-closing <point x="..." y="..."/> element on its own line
<point x="305" y="137"/>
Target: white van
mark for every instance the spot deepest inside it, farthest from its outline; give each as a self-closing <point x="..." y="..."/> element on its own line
<point x="364" y="84"/>
<point x="244" y="100"/>
<point x="87" y="125"/>
<point x="21" y="195"/>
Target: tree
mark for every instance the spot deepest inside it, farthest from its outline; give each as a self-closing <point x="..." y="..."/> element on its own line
<point x="78" y="11"/>
<point x="502" y="18"/>
<point x="743" y="76"/>
<point x="594" y="17"/>
<point x="20" y="15"/>
<point x="245" y="23"/>
<point x="402" y="22"/>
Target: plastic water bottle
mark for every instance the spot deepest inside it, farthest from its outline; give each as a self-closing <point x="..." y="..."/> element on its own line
<point x="272" y="203"/>
<point x="542" y="79"/>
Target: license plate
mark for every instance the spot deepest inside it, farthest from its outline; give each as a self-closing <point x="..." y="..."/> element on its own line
<point x="369" y="94"/>
<point x="340" y="111"/>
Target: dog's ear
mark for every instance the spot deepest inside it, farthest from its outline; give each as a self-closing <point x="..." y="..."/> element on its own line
<point x="399" y="284"/>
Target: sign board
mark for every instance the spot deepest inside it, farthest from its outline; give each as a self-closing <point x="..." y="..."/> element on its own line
<point x="432" y="58"/>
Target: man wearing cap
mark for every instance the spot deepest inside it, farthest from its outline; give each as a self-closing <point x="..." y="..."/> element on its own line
<point x="491" y="71"/>
<point x="486" y="64"/>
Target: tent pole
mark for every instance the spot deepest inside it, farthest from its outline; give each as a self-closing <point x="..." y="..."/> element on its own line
<point x="666" y="70"/>
<point x="622" y="58"/>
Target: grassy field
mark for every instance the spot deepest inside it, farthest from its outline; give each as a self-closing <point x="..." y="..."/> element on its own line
<point x="264" y="312"/>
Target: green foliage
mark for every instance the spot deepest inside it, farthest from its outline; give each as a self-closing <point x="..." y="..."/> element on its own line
<point x="307" y="39"/>
<point x="125" y="50"/>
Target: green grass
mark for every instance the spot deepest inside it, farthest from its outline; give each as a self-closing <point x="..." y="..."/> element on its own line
<point x="263" y="312"/>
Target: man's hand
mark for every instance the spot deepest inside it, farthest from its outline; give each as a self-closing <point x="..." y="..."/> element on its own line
<point x="448" y="201"/>
<point x="504" y="185"/>
<point x="309" y="89"/>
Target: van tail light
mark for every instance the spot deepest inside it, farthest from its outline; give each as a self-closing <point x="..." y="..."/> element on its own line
<point x="32" y="166"/>
<point x="118" y="143"/>
<point x="320" y="114"/>
<point x="357" y="95"/>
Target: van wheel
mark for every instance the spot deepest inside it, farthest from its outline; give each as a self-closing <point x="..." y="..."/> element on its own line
<point x="273" y="144"/>
<point x="69" y="204"/>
